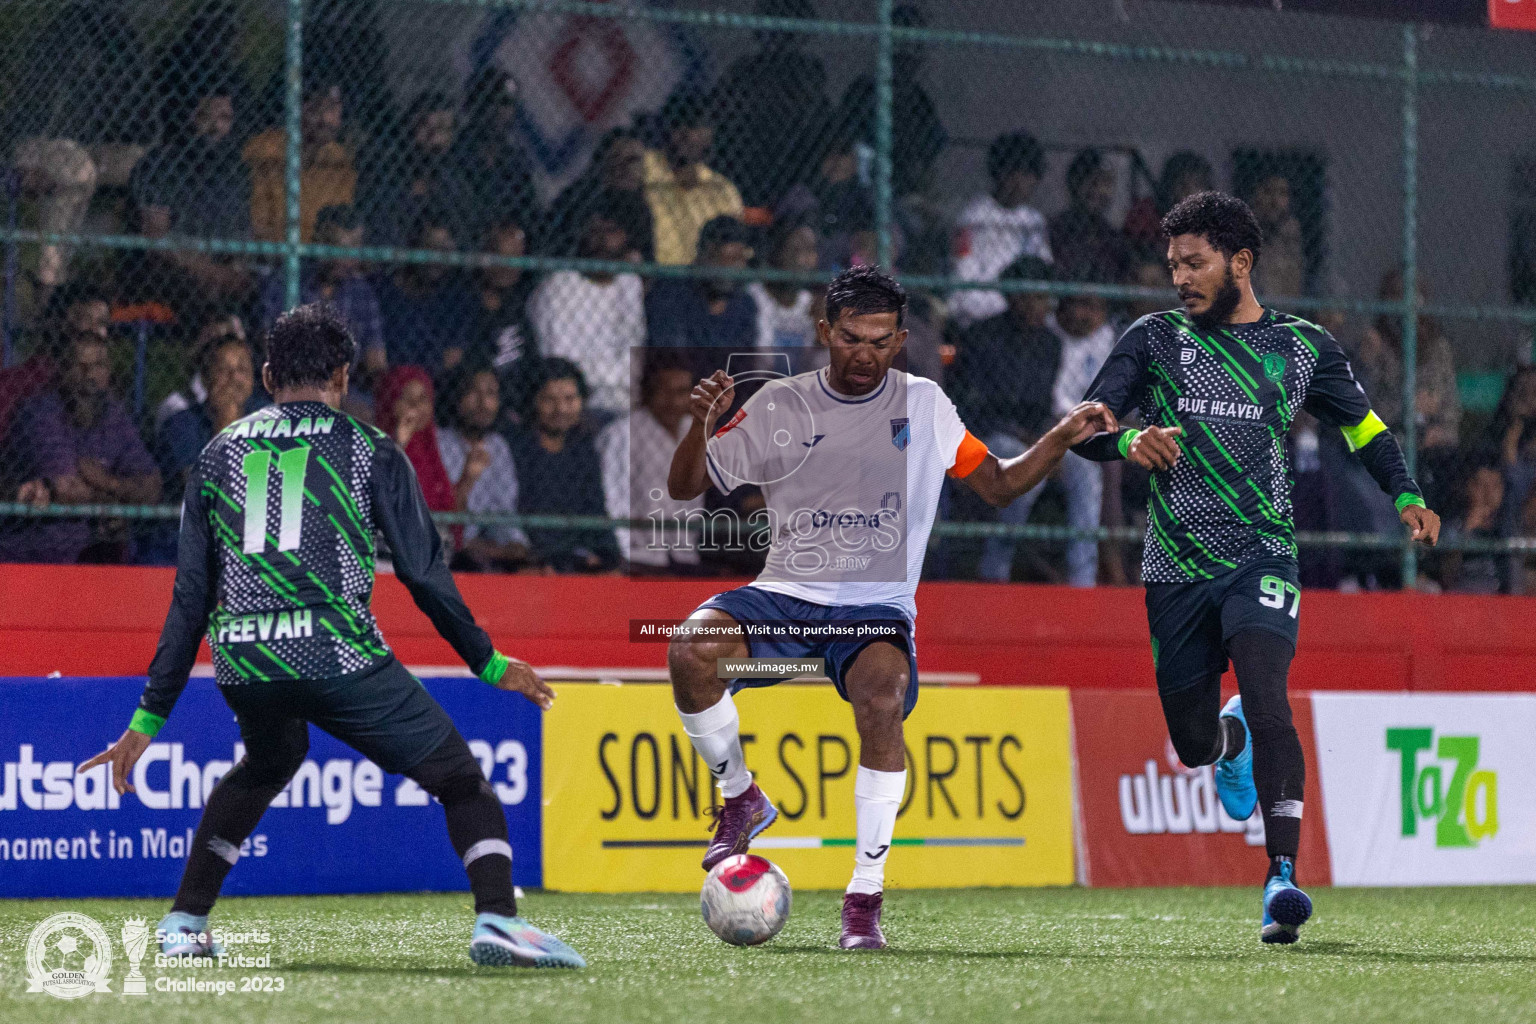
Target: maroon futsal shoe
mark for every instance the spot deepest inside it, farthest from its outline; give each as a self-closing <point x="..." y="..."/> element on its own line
<point x="861" y="921"/>
<point x="738" y="823"/>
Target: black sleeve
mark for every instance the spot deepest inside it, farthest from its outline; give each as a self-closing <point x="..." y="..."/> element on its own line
<point x="1336" y="398"/>
<point x="191" y="604"/>
<point x="1119" y="386"/>
<point x="401" y="512"/>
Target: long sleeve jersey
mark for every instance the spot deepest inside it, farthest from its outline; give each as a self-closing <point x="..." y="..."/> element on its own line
<point x="1234" y="390"/>
<point x="277" y="554"/>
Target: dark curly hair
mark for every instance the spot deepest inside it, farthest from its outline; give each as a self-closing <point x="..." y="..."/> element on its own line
<point x="307" y="345"/>
<point x="1221" y="219"/>
<point x="865" y="289"/>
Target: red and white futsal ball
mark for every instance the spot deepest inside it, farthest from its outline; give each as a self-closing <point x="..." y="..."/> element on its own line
<point x="745" y="900"/>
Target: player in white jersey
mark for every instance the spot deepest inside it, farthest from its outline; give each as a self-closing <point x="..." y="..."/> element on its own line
<point x="850" y="460"/>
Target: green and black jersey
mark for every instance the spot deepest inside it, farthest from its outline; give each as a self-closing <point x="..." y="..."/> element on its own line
<point x="1234" y="390"/>
<point x="277" y="552"/>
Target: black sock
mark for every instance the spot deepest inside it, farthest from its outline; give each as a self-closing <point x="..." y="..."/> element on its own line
<point x="1234" y="739"/>
<point x="1262" y="660"/>
<point x="1276" y="864"/>
<point x="477" y="826"/>
<point x="234" y="807"/>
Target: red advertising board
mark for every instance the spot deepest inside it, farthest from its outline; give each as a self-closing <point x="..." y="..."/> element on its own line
<point x="1519" y="14"/>
<point x="1148" y="820"/>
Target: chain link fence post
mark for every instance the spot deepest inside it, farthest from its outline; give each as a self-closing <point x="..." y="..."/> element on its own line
<point x="1410" y="272"/>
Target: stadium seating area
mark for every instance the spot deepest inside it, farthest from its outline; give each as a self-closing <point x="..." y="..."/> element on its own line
<point x="123" y="360"/>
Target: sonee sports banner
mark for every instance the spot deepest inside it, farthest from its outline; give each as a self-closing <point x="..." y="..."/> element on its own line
<point x="989" y="788"/>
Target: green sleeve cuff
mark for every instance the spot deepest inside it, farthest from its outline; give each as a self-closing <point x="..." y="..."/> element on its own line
<point x="495" y="668"/>
<point x="1126" y="437"/>
<point x="1409" y="498"/>
<point x="144" y="722"/>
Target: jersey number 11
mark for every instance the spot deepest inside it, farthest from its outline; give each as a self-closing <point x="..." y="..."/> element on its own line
<point x="291" y="465"/>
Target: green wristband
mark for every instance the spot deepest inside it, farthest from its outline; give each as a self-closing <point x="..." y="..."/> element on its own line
<point x="1126" y="437"/>
<point x="495" y="668"/>
<point x="146" y="723"/>
<point x="1409" y="498"/>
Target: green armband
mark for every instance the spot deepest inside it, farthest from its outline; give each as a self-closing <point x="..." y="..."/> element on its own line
<point x="144" y="722"/>
<point x="1126" y="437"/>
<point x="1408" y="498"/>
<point x="495" y="668"/>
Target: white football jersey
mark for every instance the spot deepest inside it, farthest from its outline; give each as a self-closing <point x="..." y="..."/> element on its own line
<point x="851" y="484"/>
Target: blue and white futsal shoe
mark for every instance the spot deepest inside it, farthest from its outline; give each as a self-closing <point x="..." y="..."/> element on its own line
<point x="513" y="942"/>
<point x="187" y="935"/>
<point x="1234" y="776"/>
<point x="1286" y="908"/>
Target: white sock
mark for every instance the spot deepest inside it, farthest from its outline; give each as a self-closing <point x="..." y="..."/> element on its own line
<point x="716" y="735"/>
<point x="876" y="799"/>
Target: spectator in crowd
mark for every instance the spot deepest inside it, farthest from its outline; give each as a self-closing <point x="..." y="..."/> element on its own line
<point x="339" y="282"/>
<point x="684" y="192"/>
<point x="502" y="334"/>
<point x="78" y="309"/>
<point x="197" y="186"/>
<point x="1184" y="173"/>
<point x="1004" y="370"/>
<point x="68" y="143"/>
<point x="1149" y="270"/>
<point x="1086" y="246"/>
<point x="403" y="410"/>
<point x="838" y="203"/>
<point x="227" y="371"/>
<point x="479" y="463"/>
<point x="226" y="376"/>
<point x="1314" y="499"/>
<point x="1511" y="442"/>
<point x="1438" y="411"/>
<point x="1082" y="324"/>
<point x="998" y="227"/>
<point x="707" y="312"/>
<point x="1479" y="505"/>
<point x="327" y="168"/>
<point x="218" y="324"/>
<point x="427" y="308"/>
<point x="594" y="320"/>
<point x="420" y="175"/>
<point x="487" y="153"/>
<point x="616" y="182"/>
<point x="772" y="105"/>
<point x="559" y="471"/>
<point x="75" y="444"/>
<point x="917" y="135"/>
<point x="784" y="309"/>
<point x="1282" y="271"/>
<point x="636" y="452"/>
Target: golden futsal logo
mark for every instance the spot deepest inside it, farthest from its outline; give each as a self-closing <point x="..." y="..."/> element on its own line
<point x="69" y="956"/>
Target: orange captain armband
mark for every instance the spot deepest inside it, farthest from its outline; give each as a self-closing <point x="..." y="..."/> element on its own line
<point x="968" y="456"/>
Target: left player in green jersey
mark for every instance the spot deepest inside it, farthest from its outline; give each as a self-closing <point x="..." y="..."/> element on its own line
<point x="1217" y="384"/>
<point x="275" y="565"/>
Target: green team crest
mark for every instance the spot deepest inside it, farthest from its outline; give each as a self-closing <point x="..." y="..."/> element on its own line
<point x="1274" y="367"/>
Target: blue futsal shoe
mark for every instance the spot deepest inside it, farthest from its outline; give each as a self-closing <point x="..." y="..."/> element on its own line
<point x="513" y="942"/>
<point x="1234" y="776"/>
<point x="187" y="935"/>
<point x="1286" y="908"/>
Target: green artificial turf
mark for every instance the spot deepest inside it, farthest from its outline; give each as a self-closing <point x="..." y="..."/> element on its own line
<point x="1061" y="955"/>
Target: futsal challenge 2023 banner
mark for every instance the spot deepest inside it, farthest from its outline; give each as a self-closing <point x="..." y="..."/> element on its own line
<point x="342" y="825"/>
<point x="989" y="788"/>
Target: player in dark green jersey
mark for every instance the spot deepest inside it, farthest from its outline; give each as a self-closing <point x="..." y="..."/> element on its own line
<point x="1217" y="384"/>
<point x="275" y="566"/>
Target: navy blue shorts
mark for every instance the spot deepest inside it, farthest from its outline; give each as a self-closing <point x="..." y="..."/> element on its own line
<point x="753" y="604"/>
<point x="1192" y="622"/>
